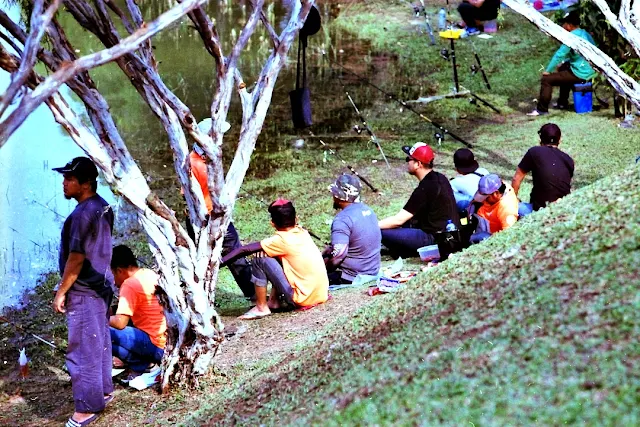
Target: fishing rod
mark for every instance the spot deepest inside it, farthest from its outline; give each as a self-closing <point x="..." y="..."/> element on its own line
<point x="426" y="21"/>
<point x="351" y="169"/>
<point x="441" y="128"/>
<point x="311" y="233"/>
<point x="21" y="329"/>
<point x="476" y="97"/>
<point x="478" y="67"/>
<point x="417" y="11"/>
<point x="367" y="128"/>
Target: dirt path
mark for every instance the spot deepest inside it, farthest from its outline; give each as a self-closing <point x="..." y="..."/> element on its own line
<point x="250" y="341"/>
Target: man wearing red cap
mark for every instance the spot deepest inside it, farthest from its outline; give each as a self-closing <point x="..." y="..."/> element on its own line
<point x="427" y="211"/>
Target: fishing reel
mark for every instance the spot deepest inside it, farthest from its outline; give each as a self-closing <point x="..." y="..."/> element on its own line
<point x="357" y="129"/>
<point x="439" y="136"/>
<point x="475" y="69"/>
<point x="444" y="53"/>
<point x="473" y="101"/>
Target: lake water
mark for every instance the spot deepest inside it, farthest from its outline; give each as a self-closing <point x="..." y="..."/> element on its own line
<point x="32" y="205"/>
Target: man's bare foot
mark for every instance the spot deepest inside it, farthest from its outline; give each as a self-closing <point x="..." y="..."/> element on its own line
<point x="255" y="313"/>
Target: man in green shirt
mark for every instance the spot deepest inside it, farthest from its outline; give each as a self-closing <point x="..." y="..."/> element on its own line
<point x="571" y="69"/>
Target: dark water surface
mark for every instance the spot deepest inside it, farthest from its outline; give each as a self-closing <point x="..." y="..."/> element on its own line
<point x="31" y="200"/>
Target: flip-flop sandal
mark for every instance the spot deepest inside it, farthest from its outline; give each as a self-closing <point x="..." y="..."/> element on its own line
<point x="253" y="316"/>
<point x="73" y="423"/>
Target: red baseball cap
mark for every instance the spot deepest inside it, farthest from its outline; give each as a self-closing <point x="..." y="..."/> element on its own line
<point x="420" y="151"/>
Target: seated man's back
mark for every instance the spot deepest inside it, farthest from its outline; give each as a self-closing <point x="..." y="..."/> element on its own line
<point x="357" y="226"/>
<point x="138" y="300"/>
<point x="302" y="264"/>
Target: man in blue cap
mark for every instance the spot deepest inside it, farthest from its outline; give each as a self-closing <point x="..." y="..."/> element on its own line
<point x="499" y="206"/>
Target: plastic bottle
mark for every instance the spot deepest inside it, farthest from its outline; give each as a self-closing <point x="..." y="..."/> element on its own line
<point x="442" y="19"/>
<point x="450" y="226"/>
<point x="24" y="363"/>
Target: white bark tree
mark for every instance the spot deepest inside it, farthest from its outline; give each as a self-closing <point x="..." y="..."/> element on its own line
<point x="189" y="268"/>
<point x="626" y="23"/>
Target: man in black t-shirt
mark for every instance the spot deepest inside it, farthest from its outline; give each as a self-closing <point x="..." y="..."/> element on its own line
<point x="551" y="169"/>
<point x="427" y="211"/>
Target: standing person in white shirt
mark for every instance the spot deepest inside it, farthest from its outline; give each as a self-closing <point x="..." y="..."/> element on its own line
<point x="465" y="184"/>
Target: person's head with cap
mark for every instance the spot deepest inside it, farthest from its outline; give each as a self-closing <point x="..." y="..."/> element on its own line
<point x="490" y="189"/>
<point x="345" y="190"/>
<point x="419" y="159"/>
<point x="464" y="161"/>
<point x="283" y="214"/>
<point x="205" y="127"/>
<point x="550" y="134"/>
<point x="570" y="20"/>
<point x="80" y="177"/>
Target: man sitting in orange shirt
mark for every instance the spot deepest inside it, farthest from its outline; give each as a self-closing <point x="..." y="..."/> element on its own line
<point x="293" y="264"/>
<point x="143" y="343"/>
<point x="499" y="206"/>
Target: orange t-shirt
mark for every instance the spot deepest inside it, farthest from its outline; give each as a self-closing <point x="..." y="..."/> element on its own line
<point x="503" y="214"/>
<point x="302" y="263"/>
<point x="138" y="301"/>
<point x="199" y="171"/>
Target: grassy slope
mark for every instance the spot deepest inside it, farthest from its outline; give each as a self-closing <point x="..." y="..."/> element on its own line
<point x="512" y="58"/>
<point x="494" y="339"/>
<point x="539" y="324"/>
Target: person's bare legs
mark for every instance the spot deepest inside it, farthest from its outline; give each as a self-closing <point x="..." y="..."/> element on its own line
<point x="274" y="300"/>
<point x="262" y="308"/>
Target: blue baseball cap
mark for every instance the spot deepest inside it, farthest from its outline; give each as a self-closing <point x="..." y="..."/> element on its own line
<point x="488" y="184"/>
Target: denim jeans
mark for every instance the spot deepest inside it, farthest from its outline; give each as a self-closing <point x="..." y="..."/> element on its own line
<point x="240" y="268"/>
<point x="133" y="346"/>
<point x="524" y="209"/>
<point x="404" y="242"/>
<point x="88" y="351"/>
<point x="265" y="269"/>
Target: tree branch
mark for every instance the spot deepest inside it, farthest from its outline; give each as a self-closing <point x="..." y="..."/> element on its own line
<point x="67" y="71"/>
<point x="618" y="79"/>
<point x="272" y="33"/>
<point x="39" y="22"/>
<point x="622" y="26"/>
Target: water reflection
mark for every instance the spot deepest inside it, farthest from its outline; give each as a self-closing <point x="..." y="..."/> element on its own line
<point x="32" y="204"/>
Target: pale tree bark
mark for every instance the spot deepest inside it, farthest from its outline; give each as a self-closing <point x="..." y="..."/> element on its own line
<point x="188" y="269"/>
<point x="626" y="24"/>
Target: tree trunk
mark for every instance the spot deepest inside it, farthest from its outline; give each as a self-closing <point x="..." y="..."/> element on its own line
<point x="188" y="269"/>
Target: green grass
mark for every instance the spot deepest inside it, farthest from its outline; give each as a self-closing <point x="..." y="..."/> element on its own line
<point x="537" y="325"/>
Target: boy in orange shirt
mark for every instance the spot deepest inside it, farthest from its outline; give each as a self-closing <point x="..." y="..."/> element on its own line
<point x="499" y="206"/>
<point x="143" y="343"/>
<point x="293" y="264"/>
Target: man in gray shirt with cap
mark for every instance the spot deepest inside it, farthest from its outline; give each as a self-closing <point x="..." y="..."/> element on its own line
<point x="355" y="235"/>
